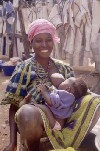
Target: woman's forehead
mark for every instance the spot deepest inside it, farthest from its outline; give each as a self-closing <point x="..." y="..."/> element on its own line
<point x="43" y="35"/>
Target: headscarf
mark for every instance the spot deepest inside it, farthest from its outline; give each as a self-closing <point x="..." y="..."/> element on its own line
<point x="42" y="26"/>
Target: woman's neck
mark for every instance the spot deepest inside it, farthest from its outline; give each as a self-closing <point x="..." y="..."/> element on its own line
<point x="43" y="61"/>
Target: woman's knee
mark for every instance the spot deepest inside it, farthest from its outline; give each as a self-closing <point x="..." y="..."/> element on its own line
<point x="29" y="121"/>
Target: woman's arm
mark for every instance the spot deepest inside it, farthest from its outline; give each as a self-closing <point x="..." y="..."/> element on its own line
<point x="13" y="125"/>
<point x="26" y="100"/>
<point x="45" y="94"/>
<point x="17" y="87"/>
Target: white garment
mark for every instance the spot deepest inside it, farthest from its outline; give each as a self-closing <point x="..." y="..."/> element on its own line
<point x="97" y="140"/>
<point x="29" y="15"/>
<point x="8" y="43"/>
<point x="17" y="24"/>
<point x="95" y="20"/>
<point x="45" y="12"/>
<point x="20" y="47"/>
<point x="49" y="4"/>
<point x="1" y="45"/>
<point x="65" y="14"/>
<point x="76" y="15"/>
<point x="41" y="10"/>
<point x="54" y="16"/>
<point x="1" y="19"/>
<point x="15" y="3"/>
<point x="96" y="131"/>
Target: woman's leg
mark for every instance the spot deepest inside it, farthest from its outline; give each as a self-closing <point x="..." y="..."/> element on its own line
<point x="30" y="126"/>
<point x="13" y="129"/>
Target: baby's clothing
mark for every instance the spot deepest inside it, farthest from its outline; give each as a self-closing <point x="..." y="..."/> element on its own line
<point x="62" y="103"/>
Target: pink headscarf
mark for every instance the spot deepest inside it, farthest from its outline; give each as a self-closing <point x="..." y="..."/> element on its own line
<point x="42" y="26"/>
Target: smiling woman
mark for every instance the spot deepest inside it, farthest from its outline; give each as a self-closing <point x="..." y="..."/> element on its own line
<point x="42" y="45"/>
<point x="31" y="119"/>
<point x="27" y="76"/>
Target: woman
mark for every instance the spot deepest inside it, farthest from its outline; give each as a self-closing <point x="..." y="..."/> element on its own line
<point x="27" y="76"/>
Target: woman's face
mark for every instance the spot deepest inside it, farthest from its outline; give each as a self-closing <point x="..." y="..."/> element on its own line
<point x="43" y="45"/>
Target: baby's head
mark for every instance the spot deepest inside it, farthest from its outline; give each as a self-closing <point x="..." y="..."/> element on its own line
<point x="76" y="86"/>
<point x="57" y="79"/>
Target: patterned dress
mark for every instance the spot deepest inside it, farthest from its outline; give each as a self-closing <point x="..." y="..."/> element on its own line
<point x="26" y="78"/>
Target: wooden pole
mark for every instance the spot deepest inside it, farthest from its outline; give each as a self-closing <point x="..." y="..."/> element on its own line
<point x="11" y="47"/>
<point x="26" y="43"/>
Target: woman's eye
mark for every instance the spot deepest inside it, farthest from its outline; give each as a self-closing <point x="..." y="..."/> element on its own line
<point x="48" y="40"/>
<point x="38" y="41"/>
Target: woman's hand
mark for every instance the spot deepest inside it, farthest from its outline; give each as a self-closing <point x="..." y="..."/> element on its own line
<point x="42" y="87"/>
<point x="25" y="100"/>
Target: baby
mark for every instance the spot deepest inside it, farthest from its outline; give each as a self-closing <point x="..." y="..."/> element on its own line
<point x="61" y="99"/>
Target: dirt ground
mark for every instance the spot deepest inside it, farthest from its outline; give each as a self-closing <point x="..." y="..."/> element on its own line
<point x="4" y="123"/>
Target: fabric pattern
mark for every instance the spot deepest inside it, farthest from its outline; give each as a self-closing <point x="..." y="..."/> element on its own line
<point x="62" y="103"/>
<point x="25" y="80"/>
<point x="72" y="137"/>
<point x="42" y="26"/>
<point x="68" y="149"/>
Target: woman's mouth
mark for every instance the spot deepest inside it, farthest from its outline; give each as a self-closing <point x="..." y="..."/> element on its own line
<point x="44" y="50"/>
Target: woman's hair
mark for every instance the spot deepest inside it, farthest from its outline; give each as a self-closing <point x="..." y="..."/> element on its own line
<point x="42" y="26"/>
<point x="57" y="79"/>
<point x="80" y="87"/>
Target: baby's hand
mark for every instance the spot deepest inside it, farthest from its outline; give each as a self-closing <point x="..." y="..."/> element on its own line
<point x="42" y="87"/>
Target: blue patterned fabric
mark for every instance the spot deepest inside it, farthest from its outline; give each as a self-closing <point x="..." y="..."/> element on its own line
<point x="25" y="80"/>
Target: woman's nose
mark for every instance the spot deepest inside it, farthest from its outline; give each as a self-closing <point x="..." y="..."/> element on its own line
<point x="44" y="44"/>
